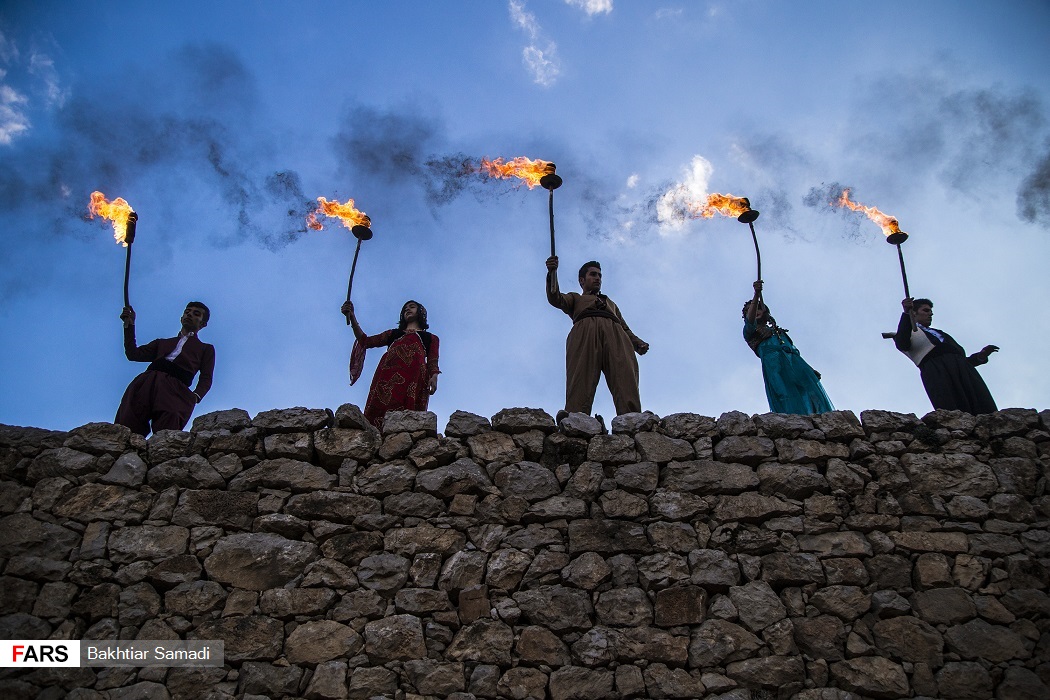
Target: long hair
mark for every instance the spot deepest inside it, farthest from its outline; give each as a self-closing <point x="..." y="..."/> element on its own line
<point x="421" y="316"/>
<point x="765" y="328"/>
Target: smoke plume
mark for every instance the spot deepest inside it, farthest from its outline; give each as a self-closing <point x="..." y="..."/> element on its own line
<point x="823" y="199"/>
<point x="110" y="139"/>
<point x="402" y="148"/>
<point x="1033" y="197"/>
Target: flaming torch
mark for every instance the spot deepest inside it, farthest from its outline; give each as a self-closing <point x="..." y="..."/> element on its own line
<point x="748" y="217"/>
<point x="532" y="173"/>
<point x="123" y="218"/>
<point x="358" y="223"/>
<point x="551" y="181"/>
<point x="890" y="228"/>
<point x="728" y="205"/>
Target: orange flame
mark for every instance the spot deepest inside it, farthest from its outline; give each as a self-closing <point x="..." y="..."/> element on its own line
<point x="888" y="223"/>
<point x="349" y="215"/>
<point x="724" y="204"/>
<point x="529" y="171"/>
<point x="118" y="211"/>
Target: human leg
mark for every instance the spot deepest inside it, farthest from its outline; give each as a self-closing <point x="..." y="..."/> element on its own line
<point x="134" y="409"/>
<point x="620" y="366"/>
<point x="582" y="367"/>
<point x="169" y="420"/>
<point x="952" y="383"/>
<point x="172" y="403"/>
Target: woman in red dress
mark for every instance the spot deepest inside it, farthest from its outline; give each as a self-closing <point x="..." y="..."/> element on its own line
<point x="407" y="373"/>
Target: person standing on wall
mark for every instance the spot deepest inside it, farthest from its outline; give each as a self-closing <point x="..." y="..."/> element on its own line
<point x="407" y="374"/>
<point x="948" y="375"/>
<point x="600" y="342"/>
<point x="160" y="398"/>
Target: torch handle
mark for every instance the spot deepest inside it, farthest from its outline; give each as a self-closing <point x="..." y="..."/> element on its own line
<point x="127" y="275"/>
<point x="904" y="276"/>
<point x="550" y="204"/>
<point x="758" y="253"/>
<point x="904" y="273"/>
<point x="353" y="268"/>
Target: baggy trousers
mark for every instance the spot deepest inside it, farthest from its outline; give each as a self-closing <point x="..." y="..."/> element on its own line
<point x="155" y="401"/>
<point x="598" y="346"/>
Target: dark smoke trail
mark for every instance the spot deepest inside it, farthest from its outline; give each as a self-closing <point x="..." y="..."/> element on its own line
<point x="776" y="208"/>
<point x="399" y="148"/>
<point x="447" y="177"/>
<point x="110" y="144"/>
<point x="823" y="199"/>
<point x="1033" y="197"/>
<point x="387" y="145"/>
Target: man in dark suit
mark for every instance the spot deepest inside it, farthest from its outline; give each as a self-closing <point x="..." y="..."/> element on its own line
<point x="947" y="373"/>
<point x="160" y="398"/>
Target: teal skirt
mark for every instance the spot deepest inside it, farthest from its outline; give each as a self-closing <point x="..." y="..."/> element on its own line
<point x="792" y="386"/>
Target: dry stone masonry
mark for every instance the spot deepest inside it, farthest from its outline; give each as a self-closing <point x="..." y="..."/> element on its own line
<point x="743" y="557"/>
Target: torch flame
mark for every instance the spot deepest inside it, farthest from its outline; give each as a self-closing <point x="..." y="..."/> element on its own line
<point x="528" y="171"/>
<point x="118" y="211"/>
<point x="349" y="215"/>
<point x="724" y="204"/>
<point x="888" y="223"/>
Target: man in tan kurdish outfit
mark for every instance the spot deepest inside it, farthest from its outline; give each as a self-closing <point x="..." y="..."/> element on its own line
<point x="600" y="342"/>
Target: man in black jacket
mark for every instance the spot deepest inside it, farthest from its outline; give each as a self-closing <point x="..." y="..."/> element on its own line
<point x="160" y="398"/>
<point x="948" y="375"/>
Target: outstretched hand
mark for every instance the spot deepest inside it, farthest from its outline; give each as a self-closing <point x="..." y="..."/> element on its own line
<point x="908" y="304"/>
<point x="432" y="385"/>
<point x="758" y="286"/>
<point x="987" y="350"/>
<point x="552" y="263"/>
<point x="128" y="316"/>
<point x="347" y="309"/>
<point x="641" y="347"/>
<point x="981" y="356"/>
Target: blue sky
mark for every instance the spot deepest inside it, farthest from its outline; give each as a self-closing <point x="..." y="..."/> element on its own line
<point x="219" y="122"/>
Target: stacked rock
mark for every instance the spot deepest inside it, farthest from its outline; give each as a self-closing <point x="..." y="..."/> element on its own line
<point x="820" y="558"/>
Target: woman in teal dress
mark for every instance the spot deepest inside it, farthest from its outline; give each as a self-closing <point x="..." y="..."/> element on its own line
<point x="792" y="386"/>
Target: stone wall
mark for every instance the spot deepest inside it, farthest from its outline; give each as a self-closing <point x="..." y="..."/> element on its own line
<point x="742" y="557"/>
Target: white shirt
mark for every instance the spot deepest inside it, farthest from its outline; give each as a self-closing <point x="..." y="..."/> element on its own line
<point x="178" y="348"/>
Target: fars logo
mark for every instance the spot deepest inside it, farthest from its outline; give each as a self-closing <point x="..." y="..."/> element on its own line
<point x="23" y="653"/>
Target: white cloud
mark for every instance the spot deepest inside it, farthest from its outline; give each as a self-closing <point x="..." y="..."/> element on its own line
<point x="15" y="95"/>
<point x="669" y="13"/>
<point x="41" y="66"/>
<point x="632" y="181"/>
<point x="592" y="7"/>
<point x="8" y="51"/>
<point x="13" y="119"/>
<point x="525" y="20"/>
<point x="541" y="62"/>
<point x="672" y="208"/>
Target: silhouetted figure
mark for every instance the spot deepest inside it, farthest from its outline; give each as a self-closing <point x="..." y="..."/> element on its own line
<point x="160" y="398"/>
<point x="948" y="375"/>
<point x="792" y="386"/>
<point x="600" y="342"/>
<point x="407" y="373"/>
